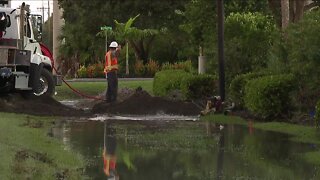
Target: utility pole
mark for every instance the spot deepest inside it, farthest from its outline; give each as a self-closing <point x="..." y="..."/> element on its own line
<point x="221" y="48"/>
<point x="42" y="10"/>
<point x="49" y="26"/>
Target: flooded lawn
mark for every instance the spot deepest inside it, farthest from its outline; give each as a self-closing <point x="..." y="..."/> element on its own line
<point x="164" y="149"/>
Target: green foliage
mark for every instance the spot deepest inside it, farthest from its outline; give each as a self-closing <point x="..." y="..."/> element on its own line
<point x="95" y="70"/>
<point x="184" y="65"/>
<point x="317" y="117"/>
<point x="269" y="96"/>
<point x="248" y="40"/>
<point x="139" y="68"/>
<point x="151" y="68"/>
<point x="237" y="87"/>
<point x="167" y="81"/>
<point x="82" y="72"/>
<point x="199" y="86"/>
<point x="190" y="85"/>
<point x="83" y="21"/>
<point x="303" y="56"/>
<point x="201" y="26"/>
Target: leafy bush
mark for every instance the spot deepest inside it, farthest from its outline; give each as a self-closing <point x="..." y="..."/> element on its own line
<point x="95" y="71"/>
<point x="190" y="85"/>
<point x="248" y="40"/>
<point x="198" y="86"/>
<point x="185" y="65"/>
<point x="303" y="57"/>
<point x="268" y="96"/>
<point x="166" y="81"/>
<point x="151" y="68"/>
<point x="237" y="87"/>
<point x="139" y="68"/>
<point x="82" y="72"/>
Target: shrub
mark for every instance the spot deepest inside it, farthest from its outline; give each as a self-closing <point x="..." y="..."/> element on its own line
<point x="303" y="57"/>
<point x="151" y="68"/>
<point x="166" y="81"/>
<point x="268" y="96"/>
<point x="248" y="40"/>
<point x="237" y="86"/>
<point x="95" y="71"/>
<point x="198" y="86"/>
<point x="82" y="72"/>
<point x="191" y="86"/>
<point x="139" y="68"/>
<point x="185" y="65"/>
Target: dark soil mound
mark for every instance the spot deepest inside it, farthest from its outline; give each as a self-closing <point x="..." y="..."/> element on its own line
<point x="47" y="106"/>
<point x="142" y="103"/>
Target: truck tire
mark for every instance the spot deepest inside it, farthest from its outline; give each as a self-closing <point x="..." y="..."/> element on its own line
<point x="46" y="85"/>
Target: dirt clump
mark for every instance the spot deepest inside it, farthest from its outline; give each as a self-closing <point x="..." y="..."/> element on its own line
<point x="141" y="103"/>
<point x="32" y="105"/>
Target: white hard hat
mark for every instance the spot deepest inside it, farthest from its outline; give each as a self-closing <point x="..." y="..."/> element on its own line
<point x="113" y="44"/>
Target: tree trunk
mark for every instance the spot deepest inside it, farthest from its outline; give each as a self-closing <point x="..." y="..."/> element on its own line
<point x="284" y="14"/>
<point x="299" y="7"/>
<point x="275" y="5"/>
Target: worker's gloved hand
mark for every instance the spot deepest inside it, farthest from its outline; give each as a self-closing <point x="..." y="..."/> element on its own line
<point x="106" y="76"/>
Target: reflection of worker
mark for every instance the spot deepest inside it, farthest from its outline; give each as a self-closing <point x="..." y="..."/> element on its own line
<point x="110" y="69"/>
<point x="109" y="153"/>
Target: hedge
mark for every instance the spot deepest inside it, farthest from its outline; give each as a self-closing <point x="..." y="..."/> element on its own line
<point x="191" y="86"/>
<point x="166" y="81"/>
<point x="237" y="87"/>
<point x="268" y="96"/>
<point x="198" y="86"/>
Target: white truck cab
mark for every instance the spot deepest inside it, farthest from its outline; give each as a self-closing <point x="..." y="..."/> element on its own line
<point x="24" y="65"/>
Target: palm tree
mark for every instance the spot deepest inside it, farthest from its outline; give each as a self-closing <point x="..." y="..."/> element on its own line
<point x="139" y="39"/>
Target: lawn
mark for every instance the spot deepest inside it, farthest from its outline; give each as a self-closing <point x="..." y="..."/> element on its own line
<point x="27" y="152"/>
<point x="96" y="88"/>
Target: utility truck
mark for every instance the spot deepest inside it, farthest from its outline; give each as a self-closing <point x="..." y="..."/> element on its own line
<point x="25" y="64"/>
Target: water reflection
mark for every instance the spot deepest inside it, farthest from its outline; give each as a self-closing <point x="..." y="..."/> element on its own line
<point x="186" y="150"/>
<point x="109" y="152"/>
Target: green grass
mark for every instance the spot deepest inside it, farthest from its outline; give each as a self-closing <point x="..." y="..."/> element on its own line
<point x="96" y="88"/>
<point x="299" y="133"/>
<point x="27" y="152"/>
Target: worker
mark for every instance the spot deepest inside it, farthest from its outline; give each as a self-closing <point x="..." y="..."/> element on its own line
<point x="111" y="70"/>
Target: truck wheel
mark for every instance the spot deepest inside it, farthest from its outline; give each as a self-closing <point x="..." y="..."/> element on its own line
<point x="46" y="86"/>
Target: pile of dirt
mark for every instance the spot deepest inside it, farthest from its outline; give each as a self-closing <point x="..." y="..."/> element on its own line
<point x="141" y="103"/>
<point x="133" y="102"/>
<point x="46" y="106"/>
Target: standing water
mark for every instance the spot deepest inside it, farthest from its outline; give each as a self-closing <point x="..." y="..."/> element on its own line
<point x="195" y="150"/>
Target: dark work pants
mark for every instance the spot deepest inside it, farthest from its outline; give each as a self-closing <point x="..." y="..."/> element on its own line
<point x="112" y="90"/>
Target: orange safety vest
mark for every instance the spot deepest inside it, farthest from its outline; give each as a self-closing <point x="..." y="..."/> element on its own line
<point x="111" y="64"/>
